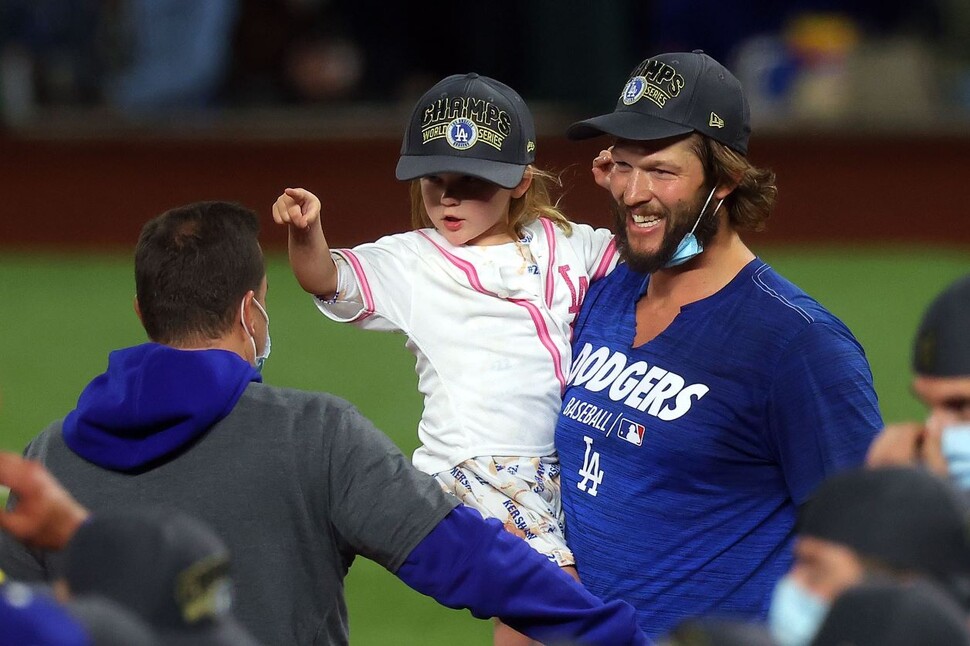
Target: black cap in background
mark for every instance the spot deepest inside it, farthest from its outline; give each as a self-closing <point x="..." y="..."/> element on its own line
<point x="942" y="345"/>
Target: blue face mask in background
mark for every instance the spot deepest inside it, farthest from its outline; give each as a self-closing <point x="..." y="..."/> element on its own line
<point x="689" y="245"/>
<point x="795" y="614"/>
<point x="955" y="442"/>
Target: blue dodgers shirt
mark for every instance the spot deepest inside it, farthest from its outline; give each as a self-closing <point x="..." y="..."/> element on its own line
<point x="684" y="460"/>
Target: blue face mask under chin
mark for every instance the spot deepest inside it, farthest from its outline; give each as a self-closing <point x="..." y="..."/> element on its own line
<point x="955" y="443"/>
<point x="687" y="249"/>
<point x="689" y="246"/>
<point x="795" y="614"/>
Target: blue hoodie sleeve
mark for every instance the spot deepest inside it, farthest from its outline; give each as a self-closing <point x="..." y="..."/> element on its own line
<point x="470" y="562"/>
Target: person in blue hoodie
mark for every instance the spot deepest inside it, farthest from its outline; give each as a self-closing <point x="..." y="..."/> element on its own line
<point x="296" y="483"/>
<point x="48" y="517"/>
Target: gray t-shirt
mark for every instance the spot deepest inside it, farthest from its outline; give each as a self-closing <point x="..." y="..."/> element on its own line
<point x="297" y="484"/>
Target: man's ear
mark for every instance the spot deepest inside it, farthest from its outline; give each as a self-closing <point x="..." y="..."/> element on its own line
<point x="134" y="303"/>
<point x="726" y="187"/>
<point x="250" y="311"/>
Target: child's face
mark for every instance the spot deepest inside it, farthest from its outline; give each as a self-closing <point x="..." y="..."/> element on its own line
<point x="467" y="210"/>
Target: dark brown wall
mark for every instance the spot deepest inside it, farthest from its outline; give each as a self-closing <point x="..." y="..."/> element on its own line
<point x="100" y="192"/>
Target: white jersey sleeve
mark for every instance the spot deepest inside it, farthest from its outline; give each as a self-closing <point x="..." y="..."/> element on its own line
<point x="374" y="284"/>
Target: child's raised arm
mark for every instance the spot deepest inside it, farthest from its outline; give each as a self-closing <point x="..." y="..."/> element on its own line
<point x="309" y="252"/>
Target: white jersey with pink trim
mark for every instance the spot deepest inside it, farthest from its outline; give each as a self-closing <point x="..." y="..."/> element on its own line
<point x="490" y="327"/>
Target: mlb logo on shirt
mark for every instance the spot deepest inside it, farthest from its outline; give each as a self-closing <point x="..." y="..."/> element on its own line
<point x="630" y="431"/>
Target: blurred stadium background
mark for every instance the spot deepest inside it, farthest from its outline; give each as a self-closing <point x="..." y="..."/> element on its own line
<point x="111" y="112"/>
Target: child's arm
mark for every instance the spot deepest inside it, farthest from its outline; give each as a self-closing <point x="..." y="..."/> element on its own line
<point x="309" y="252"/>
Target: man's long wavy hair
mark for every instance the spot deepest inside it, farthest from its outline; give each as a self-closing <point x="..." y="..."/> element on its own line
<point x="750" y="204"/>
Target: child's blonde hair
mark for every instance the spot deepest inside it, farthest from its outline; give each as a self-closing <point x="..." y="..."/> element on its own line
<point x="535" y="203"/>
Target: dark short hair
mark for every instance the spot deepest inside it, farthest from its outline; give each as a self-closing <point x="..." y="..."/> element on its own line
<point x="193" y="265"/>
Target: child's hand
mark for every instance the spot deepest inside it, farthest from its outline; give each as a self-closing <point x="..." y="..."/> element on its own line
<point x="603" y="168"/>
<point x="296" y="207"/>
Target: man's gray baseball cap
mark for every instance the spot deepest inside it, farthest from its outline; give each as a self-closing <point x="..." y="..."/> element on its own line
<point x="676" y="94"/>
<point x="469" y="124"/>
<point x="942" y="346"/>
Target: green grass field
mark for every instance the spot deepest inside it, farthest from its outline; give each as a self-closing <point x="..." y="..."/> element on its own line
<point x="61" y="314"/>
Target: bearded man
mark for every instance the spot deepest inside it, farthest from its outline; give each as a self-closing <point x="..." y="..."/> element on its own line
<point x="708" y="396"/>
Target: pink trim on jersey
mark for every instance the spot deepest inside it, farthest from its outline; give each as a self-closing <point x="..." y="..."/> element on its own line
<point x="365" y="291"/>
<point x="468" y="268"/>
<point x="541" y="328"/>
<point x="606" y="261"/>
<point x="545" y="338"/>
<point x="547" y="226"/>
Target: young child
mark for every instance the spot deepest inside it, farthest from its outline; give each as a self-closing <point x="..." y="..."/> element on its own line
<point x="486" y="289"/>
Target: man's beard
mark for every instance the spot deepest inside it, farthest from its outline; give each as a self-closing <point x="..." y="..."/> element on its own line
<point x="677" y="223"/>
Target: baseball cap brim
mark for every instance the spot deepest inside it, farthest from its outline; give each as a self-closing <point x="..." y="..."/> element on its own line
<point x="626" y="125"/>
<point x="501" y="173"/>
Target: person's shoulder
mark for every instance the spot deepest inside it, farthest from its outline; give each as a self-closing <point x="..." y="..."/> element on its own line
<point x="613" y="291"/>
<point x="798" y="318"/>
<point x="622" y="279"/>
<point x="579" y="233"/>
<point x="299" y="418"/>
<point x="401" y="243"/>
<point x="408" y="239"/>
<point x="277" y="400"/>
<point x="48" y="440"/>
<point x="780" y="297"/>
<point x="582" y="228"/>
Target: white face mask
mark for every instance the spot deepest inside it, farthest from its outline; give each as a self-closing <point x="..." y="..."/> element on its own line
<point x="955" y="443"/>
<point x="260" y="359"/>
<point x="795" y="614"/>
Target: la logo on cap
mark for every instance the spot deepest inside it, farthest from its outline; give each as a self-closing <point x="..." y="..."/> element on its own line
<point x="634" y="90"/>
<point x="462" y="133"/>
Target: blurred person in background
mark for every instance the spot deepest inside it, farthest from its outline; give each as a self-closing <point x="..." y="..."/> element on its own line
<point x="176" y="55"/>
<point x="711" y="631"/>
<point x="138" y="58"/>
<point x="900" y="523"/>
<point x="47" y="517"/>
<point x="50" y="53"/>
<point x="941" y="381"/>
<point x="890" y="613"/>
<point x="675" y="24"/>
<point x="167" y="567"/>
<point x="290" y="52"/>
<point x="32" y="617"/>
